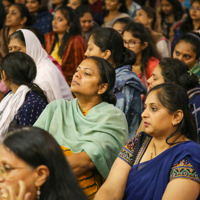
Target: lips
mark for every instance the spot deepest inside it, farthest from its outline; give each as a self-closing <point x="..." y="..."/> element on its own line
<point x="75" y="83"/>
<point x="146" y="124"/>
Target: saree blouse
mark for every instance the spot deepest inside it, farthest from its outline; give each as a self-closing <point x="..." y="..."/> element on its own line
<point x="148" y="180"/>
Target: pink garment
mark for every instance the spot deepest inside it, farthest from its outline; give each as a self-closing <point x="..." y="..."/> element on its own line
<point x="55" y="62"/>
<point x="3" y="87"/>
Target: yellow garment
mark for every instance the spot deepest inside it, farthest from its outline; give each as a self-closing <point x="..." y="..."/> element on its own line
<point x="89" y="182"/>
<point x="85" y="113"/>
<point x="55" y="53"/>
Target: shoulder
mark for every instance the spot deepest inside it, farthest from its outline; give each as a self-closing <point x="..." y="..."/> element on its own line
<point x="77" y="38"/>
<point x="33" y="98"/>
<point x="61" y="103"/>
<point x="152" y="62"/>
<point x="50" y="35"/>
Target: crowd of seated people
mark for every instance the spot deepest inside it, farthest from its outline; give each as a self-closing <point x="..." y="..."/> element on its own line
<point x="99" y="99"/>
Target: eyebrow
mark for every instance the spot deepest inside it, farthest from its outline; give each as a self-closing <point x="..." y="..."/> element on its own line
<point x="85" y="68"/>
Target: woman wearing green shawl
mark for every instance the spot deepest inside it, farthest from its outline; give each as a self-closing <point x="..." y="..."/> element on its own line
<point x="90" y="125"/>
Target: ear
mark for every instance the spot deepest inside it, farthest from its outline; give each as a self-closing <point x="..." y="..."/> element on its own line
<point x="102" y="88"/>
<point x="42" y="172"/>
<point x="23" y="21"/>
<point x="178" y="116"/>
<point x="4" y="76"/>
<point x="144" y="45"/>
<point x="106" y="54"/>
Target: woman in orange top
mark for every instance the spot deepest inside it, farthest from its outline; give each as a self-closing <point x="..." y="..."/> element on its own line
<point x="137" y="39"/>
<point x="65" y="43"/>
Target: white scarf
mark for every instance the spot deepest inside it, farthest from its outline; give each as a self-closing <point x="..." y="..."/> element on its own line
<point x="49" y="77"/>
<point x="9" y="107"/>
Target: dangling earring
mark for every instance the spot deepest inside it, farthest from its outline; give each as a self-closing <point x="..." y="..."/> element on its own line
<point x="67" y="31"/>
<point x="118" y="7"/>
<point x="38" y="193"/>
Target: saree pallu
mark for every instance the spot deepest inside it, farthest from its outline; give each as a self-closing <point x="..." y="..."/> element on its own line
<point x="89" y="182"/>
<point x="148" y="180"/>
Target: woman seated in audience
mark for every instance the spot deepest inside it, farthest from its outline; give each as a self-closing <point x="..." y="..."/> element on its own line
<point x="137" y="39"/>
<point x="187" y="49"/>
<point x="44" y="18"/>
<point x="147" y="16"/>
<point x="18" y="17"/>
<point x="164" y="161"/>
<point x="170" y="17"/>
<point x="121" y="23"/>
<point x="114" y="9"/>
<point x="35" y="163"/>
<point x="175" y="71"/>
<point x="49" y="78"/>
<point x="90" y="125"/>
<point x="107" y="43"/>
<point x="25" y="101"/>
<point x="191" y="23"/>
<point x="65" y="43"/>
<point x="85" y="16"/>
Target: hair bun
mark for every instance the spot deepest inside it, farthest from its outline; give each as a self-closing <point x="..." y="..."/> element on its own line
<point x="109" y="98"/>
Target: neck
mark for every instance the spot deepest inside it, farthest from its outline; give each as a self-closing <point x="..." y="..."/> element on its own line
<point x="86" y="103"/>
<point x="113" y="13"/>
<point x="60" y="36"/>
<point x="170" y="18"/>
<point x="13" y="29"/>
<point x="14" y="87"/>
<point x="138" y="60"/>
<point x="196" y="24"/>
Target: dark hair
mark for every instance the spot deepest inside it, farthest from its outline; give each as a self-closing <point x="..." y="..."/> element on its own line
<point x="37" y="147"/>
<point x="122" y="9"/>
<point x="194" y="39"/>
<point x="39" y="34"/>
<point x="2" y="15"/>
<point x="187" y="25"/>
<point x="151" y="13"/>
<point x="82" y="9"/>
<point x="75" y="27"/>
<point x="139" y="31"/>
<point x="174" y="97"/>
<point x="21" y="70"/>
<point x="124" y="20"/>
<point x="109" y="38"/>
<point x="25" y="13"/>
<point x="17" y="35"/>
<point x="43" y="6"/>
<point x="177" y="10"/>
<point x="107" y="74"/>
<point x="176" y="71"/>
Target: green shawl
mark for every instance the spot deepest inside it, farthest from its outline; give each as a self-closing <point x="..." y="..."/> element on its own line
<point x="101" y="133"/>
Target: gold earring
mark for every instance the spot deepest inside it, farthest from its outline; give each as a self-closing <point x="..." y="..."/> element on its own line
<point x="38" y="193"/>
<point x="99" y="92"/>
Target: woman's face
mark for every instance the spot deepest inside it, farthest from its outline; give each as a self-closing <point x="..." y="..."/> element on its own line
<point x="156" y="78"/>
<point x="86" y="22"/>
<point x="33" y="6"/>
<point x="93" y="49"/>
<point x="6" y="5"/>
<point x="184" y="51"/>
<point x="141" y="17"/>
<point x="86" y="79"/>
<point x="132" y="43"/>
<point x="16" y="45"/>
<point x="112" y="5"/>
<point x="14" y="169"/>
<point x="13" y="18"/>
<point x="59" y="23"/>
<point x="166" y="7"/>
<point x="74" y="4"/>
<point x="157" y="120"/>
<point x="195" y="11"/>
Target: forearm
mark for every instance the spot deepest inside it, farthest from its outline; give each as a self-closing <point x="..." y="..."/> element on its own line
<point x="80" y="163"/>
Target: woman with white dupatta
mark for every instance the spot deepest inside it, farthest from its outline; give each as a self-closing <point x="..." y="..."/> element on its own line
<point x="25" y="101"/>
<point x="49" y="78"/>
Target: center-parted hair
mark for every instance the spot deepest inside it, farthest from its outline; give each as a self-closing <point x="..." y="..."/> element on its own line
<point x="21" y="70"/>
<point x="107" y="74"/>
<point x="75" y="27"/>
<point x="110" y="39"/>
<point x="37" y="147"/>
<point x="174" y="98"/>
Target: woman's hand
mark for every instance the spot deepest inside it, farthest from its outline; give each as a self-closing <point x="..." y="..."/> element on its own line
<point x="10" y="193"/>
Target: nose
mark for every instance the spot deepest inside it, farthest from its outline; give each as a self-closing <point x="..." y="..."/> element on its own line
<point x="86" y="53"/>
<point x="149" y="80"/>
<point x="136" y="18"/>
<point x="144" y="114"/>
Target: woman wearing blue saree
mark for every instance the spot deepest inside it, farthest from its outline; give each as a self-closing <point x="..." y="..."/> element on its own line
<point x="164" y="161"/>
